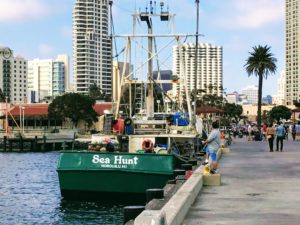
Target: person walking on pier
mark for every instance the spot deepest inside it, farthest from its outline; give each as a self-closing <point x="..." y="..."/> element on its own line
<point x="249" y="133"/>
<point x="213" y="143"/>
<point x="294" y="132"/>
<point x="270" y="132"/>
<point x="280" y="135"/>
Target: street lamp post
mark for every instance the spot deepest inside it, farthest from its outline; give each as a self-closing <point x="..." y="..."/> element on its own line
<point x="6" y="117"/>
<point x="23" y="108"/>
<point x="196" y="59"/>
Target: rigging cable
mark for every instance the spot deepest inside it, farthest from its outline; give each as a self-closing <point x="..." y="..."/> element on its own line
<point x="115" y="44"/>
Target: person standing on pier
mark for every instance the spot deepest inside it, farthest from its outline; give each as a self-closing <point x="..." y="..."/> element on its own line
<point x="270" y="132"/>
<point x="213" y="143"/>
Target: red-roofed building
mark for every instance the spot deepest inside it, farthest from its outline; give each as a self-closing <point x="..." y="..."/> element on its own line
<point x="101" y="107"/>
<point x="36" y="115"/>
<point x="30" y="110"/>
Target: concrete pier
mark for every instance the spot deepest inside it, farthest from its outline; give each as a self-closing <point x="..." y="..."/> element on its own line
<point x="257" y="187"/>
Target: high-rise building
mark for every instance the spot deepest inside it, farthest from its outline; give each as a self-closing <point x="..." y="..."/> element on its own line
<point x="116" y="77"/>
<point x="65" y="59"/>
<point x="45" y="78"/>
<point x="92" y="45"/>
<point x="232" y="97"/>
<point x="13" y="76"/>
<point x="279" y="98"/>
<point x="209" y="68"/>
<point x="292" y="50"/>
<point x="251" y="92"/>
<point x="267" y="100"/>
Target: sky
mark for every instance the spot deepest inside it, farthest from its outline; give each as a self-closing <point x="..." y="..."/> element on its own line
<point x="43" y="29"/>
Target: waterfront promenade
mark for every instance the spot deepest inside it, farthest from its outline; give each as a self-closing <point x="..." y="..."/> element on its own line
<point x="258" y="187"/>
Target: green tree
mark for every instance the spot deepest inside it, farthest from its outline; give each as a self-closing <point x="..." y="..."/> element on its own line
<point x="233" y="111"/>
<point x="261" y="63"/>
<point x="265" y="116"/>
<point x="211" y="100"/>
<point x="296" y="103"/>
<point x="96" y="93"/>
<point x="2" y="97"/>
<point x="280" y="112"/>
<point x="75" y="107"/>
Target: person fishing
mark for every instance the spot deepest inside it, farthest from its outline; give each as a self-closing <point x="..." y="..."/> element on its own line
<point x="213" y="143"/>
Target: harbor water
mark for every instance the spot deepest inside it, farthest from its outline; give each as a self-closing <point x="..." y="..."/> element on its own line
<point x="29" y="194"/>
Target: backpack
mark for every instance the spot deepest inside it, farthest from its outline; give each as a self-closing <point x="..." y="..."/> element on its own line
<point x="280" y="131"/>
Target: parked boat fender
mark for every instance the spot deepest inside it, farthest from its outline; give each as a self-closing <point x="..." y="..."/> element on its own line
<point x="154" y="193"/>
<point x="147" y="145"/>
<point x="131" y="212"/>
<point x="188" y="168"/>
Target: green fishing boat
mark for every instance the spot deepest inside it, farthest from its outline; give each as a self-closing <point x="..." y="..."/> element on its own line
<point x="152" y="143"/>
<point x="113" y="173"/>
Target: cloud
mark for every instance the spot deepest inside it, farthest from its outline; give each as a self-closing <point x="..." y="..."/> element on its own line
<point x="27" y="10"/>
<point x="249" y="14"/>
<point x="22" y="10"/>
<point x="46" y="50"/>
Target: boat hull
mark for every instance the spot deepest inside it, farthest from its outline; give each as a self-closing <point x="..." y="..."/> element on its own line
<point x="117" y="173"/>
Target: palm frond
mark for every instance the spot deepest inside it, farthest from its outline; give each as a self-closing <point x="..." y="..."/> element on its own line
<point x="261" y="62"/>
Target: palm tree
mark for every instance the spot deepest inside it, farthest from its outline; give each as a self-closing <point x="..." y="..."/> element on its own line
<point x="261" y="63"/>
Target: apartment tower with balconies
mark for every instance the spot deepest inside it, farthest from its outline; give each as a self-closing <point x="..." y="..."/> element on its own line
<point x="13" y="76"/>
<point x="92" y="45"/>
<point x="292" y="51"/>
<point x="209" y="68"/>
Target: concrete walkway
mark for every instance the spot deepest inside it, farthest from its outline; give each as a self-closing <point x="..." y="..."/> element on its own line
<point x="258" y="187"/>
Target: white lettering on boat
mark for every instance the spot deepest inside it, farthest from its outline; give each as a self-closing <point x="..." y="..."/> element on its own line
<point x="118" y="162"/>
<point x="97" y="159"/>
<point x="121" y="160"/>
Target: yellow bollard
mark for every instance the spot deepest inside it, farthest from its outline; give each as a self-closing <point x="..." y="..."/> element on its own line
<point x="206" y="170"/>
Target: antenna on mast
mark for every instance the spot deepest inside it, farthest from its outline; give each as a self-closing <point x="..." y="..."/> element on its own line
<point x="161" y="6"/>
<point x="151" y="7"/>
<point x="164" y="15"/>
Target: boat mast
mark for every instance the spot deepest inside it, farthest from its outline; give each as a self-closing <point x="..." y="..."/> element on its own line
<point x="196" y="58"/>
<point x="146" y="16"/>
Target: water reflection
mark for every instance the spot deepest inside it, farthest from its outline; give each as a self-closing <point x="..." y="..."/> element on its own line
<point x="87" y="212"/>
<point x="29" y="194"/>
